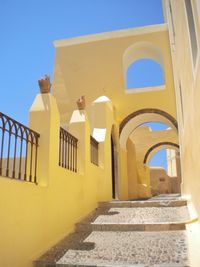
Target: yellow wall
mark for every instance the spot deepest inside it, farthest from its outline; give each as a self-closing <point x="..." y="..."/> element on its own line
<point x="35" y="217"/>
<point x="158" y="186"/>
<point x="138" y="174"/>
<point x="100" y="70"/>
<point x="187" y="85"/>
<point x="123" y="178"/>
<point x="144" y="190"/>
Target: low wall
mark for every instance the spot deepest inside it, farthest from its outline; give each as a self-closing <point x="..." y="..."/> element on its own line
<point x="34" y="217"/>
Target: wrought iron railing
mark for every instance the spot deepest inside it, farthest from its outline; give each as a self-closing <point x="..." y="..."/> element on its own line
<point x="18" y="150"/>
<point x="94" y="151"/>
<point x="68" y="150"/>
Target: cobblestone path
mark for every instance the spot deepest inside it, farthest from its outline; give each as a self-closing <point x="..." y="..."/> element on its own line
<point x="144" y="215"/>
<point x="104" y="238"/>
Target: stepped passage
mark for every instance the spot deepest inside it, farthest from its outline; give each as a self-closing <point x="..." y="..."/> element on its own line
<point x="124" y="234"/>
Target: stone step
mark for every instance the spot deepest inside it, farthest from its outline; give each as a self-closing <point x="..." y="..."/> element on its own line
<point x="146" y="203"/>
<point x="136" y="219"/>
<point x="124" y="235"/>
<point x="82" y="227"/>
<point x="122" y="249"/>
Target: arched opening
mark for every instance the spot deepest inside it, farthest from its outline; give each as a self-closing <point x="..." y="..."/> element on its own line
<point x="158" y="146"/>
<point x="165" y="174"/>
<point x="144" y="73"/>
<point x="143" y="67"/>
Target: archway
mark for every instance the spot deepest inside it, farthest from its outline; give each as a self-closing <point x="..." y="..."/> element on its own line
<point x="139" y="117"/>
<point x="155" y="148"/>
<point x="144" y="140"/>
<point x="165" y="171"/>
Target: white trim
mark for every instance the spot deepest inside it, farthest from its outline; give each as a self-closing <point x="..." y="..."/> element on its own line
<point x="145" y="89"/>
<point x="194" y="68"/>
<point x="198" y="9"/>
<point x="171" y="23"/>
<point x="111" y="35"/>
<point x="197" y="63"/>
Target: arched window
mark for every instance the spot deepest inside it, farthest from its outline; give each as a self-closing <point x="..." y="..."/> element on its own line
<point x="143" y="73"/>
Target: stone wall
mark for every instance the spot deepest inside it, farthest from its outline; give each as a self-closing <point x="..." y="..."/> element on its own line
<point x="161" y="183"/>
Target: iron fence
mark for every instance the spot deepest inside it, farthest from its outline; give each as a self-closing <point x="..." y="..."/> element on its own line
<point x="68" y="150"/>
<point x="94" y="151"/>
<point x="18" y="150"/>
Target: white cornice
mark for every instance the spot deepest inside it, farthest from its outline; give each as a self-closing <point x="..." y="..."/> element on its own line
<point x="111" y="35"/>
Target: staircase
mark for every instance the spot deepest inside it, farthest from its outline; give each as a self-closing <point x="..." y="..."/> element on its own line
<point x="147" y="233"/>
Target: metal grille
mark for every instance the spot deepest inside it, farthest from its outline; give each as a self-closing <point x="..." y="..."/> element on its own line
<point x="68" y="150"/>
<point x="18" y="150"/>
<point x="94" y="151"/>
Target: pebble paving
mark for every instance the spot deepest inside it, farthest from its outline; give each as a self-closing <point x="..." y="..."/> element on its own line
<point x="124" y="248"/>
<point x="144" y="215"/>
<point x="131" y="249"/>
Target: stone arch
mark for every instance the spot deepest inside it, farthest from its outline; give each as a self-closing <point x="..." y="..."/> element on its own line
<point x="157" y="147"/>
<point x="139" y="117"/>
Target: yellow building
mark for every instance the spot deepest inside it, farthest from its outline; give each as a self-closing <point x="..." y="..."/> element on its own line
<point x="60" y="174"/>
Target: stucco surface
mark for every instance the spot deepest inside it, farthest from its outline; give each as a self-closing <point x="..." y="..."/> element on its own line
<point x="187" y="84"/>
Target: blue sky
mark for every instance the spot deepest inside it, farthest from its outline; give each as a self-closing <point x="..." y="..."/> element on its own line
<point x="28" y="29"/>
<point x="152" y="74"/>
<point x="159" y="158"/>
<point x="156" y="126"/>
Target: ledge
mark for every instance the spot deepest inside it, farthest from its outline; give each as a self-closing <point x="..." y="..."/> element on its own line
<point x="111" y="35"/>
